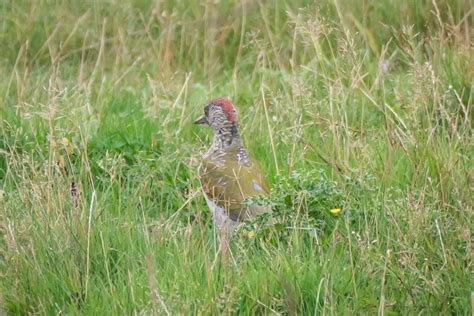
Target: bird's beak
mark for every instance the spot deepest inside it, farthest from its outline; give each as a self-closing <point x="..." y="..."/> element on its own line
<point x="201" y="120"/>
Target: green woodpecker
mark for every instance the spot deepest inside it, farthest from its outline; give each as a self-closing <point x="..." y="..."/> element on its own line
<point x="228" y="174"/>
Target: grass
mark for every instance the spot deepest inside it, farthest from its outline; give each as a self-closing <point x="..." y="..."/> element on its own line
<point x="366" y="107"/>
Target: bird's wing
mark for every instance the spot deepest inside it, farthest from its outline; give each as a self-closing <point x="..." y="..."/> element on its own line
<point x="229" y="182"/>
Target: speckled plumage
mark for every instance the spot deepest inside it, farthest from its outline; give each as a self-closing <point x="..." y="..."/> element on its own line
<point x="228" y="174"/>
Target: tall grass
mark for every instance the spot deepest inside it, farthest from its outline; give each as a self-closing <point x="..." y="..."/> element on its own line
<point x="365" y="106"/>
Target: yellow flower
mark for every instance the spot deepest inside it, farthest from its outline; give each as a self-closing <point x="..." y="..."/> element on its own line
<point x="335" y="211"/>
<point x="251" y="234"/>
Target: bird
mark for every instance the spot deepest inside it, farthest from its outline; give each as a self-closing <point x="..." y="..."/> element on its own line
<point x="228" y="174"/>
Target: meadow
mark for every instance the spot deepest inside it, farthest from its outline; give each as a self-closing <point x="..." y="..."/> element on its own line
<point x="363" y="106"/>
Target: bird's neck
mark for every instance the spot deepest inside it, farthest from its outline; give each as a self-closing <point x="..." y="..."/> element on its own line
<point x="226" y="137"/>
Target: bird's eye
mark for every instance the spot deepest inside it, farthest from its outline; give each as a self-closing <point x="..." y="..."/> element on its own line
<point x="206" y="110"/>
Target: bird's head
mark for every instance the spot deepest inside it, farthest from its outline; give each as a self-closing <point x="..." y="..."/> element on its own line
<point x="219" y="114"/>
